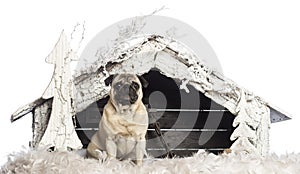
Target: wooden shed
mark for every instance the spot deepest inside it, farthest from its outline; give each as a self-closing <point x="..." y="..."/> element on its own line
<point x="194" y="106"/>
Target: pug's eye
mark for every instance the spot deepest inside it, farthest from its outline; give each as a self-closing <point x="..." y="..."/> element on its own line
<point x="118" y="85"/>
<point x="135" y="85"/>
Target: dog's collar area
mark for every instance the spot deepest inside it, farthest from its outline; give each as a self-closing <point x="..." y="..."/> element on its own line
<point x="124" y="111"/>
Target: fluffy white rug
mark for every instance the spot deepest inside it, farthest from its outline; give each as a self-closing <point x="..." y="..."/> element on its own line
<point x="68" y="162"/>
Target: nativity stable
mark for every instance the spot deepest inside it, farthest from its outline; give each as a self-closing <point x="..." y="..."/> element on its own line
<point x="190" y="106"/>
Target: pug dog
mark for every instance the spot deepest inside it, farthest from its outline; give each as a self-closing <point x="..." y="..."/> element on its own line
<point x="124" y="122"/>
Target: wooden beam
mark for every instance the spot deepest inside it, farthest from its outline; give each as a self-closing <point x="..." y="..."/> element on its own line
<point x="22" y="111"/>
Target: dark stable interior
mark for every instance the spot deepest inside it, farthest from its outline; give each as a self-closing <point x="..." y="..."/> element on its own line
<point x="188" y="121"/>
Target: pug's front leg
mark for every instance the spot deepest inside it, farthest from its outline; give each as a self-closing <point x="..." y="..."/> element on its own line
<point x="140" y="151"/>
<point x="111" y="147"/>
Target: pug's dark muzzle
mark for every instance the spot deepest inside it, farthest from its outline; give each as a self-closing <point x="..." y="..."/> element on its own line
<point x="126" y="94"/>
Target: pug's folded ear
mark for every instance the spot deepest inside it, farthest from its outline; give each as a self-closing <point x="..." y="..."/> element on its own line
<point x="108" y="80"/>
<point x="143" y="81"/>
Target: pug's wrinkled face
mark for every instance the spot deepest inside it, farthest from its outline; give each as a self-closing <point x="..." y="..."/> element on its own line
<point x="126" y="89"/>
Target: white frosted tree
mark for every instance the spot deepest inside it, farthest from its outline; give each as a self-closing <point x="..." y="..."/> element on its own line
<point x="245" y="134"/>
<point x="60" y="132"/>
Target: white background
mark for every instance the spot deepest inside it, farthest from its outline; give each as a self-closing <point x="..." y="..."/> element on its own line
<point x="257" y="43"/>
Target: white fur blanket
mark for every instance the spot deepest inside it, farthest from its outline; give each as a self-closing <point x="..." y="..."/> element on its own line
<point x="68" y="162"/>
